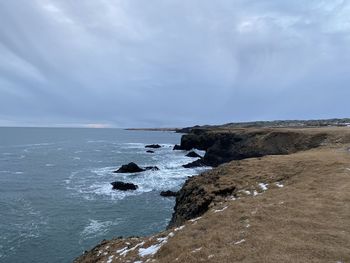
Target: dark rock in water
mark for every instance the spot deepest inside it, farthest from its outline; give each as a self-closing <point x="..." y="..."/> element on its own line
<point x="194" y="164"/>
<point x="168" y="193"/>
<point x="123" y="186"/>
<point x="193" y="154"/>
<point x="152" y="168"/>
<point x="149" y="151"/>
<point x="154" y="146"/>
<point x="129" y="168"/>
<point x="177" y="147"/>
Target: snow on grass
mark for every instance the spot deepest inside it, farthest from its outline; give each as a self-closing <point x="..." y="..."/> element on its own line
<point x="151" y="250"/>
<point x="278" y="184"/>
<point x="220" y="210"/>
<point x="255" y="193"/>
<point x="263" y="186"/>
<point x="195" y="219"/>
<point x="231" y="198"/>
<point x="246" y="192"/>
<point x="121" y="250"/>
<point x="197" y="250"/>
<point x="124" y="251"/>
<point x="171" y="234"/>
<point x="179" y="228"/>
<point x="210" y="256"/>
<point x="110" y="259"/>
<point x="239" y="242"/>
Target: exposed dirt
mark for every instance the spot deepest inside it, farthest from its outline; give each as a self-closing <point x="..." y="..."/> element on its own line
<point x="276" y="208"/>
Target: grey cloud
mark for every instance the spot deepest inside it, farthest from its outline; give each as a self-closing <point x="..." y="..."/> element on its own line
<point x="172" y="63"/>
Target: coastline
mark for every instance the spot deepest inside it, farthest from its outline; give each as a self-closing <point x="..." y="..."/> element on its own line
<point x="246" y="153"/>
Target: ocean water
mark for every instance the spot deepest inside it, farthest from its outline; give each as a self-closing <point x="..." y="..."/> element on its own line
<point x="55" y="195"/>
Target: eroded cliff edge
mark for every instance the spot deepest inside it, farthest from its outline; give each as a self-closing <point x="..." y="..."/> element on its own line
<point x="244" y="180"/>
<point x="225" y="145"/>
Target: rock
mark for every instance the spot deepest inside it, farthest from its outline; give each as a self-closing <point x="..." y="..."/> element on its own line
<point x="222" y="146"/>
<point x="152" y="168"/>
<point x="129" y="168"/>
<point x="123" y="186"/>
<point x="177" y="147"/>
<point x="197" y="163"/>
<point x="193" y="155"/>
<point x="149" y="151"/>
<point x="154" y="146"/>
<point x="168" y="193"/>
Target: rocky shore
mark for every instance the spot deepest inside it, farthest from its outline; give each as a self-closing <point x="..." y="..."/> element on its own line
<point x="275" y="195"/>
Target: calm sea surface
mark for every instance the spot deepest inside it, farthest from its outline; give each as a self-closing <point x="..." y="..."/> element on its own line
<point x="55" y="195"/>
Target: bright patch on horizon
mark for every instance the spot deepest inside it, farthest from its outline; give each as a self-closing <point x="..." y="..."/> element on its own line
<point x="97" y="125"/>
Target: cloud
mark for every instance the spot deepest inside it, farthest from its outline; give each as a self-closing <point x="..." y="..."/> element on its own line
<point x="172" y="63"/>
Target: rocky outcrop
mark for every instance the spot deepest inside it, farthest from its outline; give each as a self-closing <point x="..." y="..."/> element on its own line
<point x="197" y="163"/>
<point x="193" y="155"/>
<point x="168" y="193"/>
<point x="196" y="195"/>
<point x="153" y="146"/>
<point x="177" y="147"/>
<point x="123" y="186"/>
<point x="149" y="151"/>
<point x="129" y="168"/>
<point x="134" y="168"/>
<point x="222" y="146"/>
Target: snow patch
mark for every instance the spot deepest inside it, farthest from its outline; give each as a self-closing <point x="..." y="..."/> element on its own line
<point x="239" y="242"/>
<point x="263" y="186"/>
<point x="278" y="184"/>
<point x="197" y="250"/>
<point x="195" y="219"/>
<point x="179" y="228"/>
<point x="220" y="210"/>
<point x="110" y="259"/>
<point x="126" y="251"/>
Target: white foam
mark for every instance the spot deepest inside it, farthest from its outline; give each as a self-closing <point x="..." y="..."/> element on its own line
<point x="96" y="228"/>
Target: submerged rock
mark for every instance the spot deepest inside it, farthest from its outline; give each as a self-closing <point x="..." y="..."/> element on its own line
<point x="129" y="168"/>
<point x="152" y="168"/>
<point x="193" y="154"/>
<point x="149" y="151"/>
<point x="123" y="186"/>
<point x="168" y="193"/>
<point x="154" y="146"/>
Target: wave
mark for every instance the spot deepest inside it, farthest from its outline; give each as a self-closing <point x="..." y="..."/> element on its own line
<point x="96" y="228"/>
<point x="94" y="183"/>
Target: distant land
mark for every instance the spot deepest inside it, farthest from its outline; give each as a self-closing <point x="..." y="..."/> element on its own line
<point x="260" y="124"/>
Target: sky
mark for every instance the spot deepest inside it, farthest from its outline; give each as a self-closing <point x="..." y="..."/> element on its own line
<point x="172" y="63"/>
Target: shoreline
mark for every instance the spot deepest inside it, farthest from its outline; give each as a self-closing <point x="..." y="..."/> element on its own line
<point x="210" y="191"/>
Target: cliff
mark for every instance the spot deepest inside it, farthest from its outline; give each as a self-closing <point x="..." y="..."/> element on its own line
<point x="283" y="196"/>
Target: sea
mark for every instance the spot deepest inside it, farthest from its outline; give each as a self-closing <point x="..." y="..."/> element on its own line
<point x="56" y="200"/>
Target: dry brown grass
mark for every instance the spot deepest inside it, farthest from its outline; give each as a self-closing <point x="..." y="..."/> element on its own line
<point x="308" y="220"/>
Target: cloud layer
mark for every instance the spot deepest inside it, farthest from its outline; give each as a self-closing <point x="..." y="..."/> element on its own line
<point x="172" y="63"/>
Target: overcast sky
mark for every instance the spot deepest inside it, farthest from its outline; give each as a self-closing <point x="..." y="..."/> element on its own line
<point x="137" y="63"/>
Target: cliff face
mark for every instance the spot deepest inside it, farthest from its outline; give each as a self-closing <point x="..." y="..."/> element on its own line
<point x="222" y="146"/>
